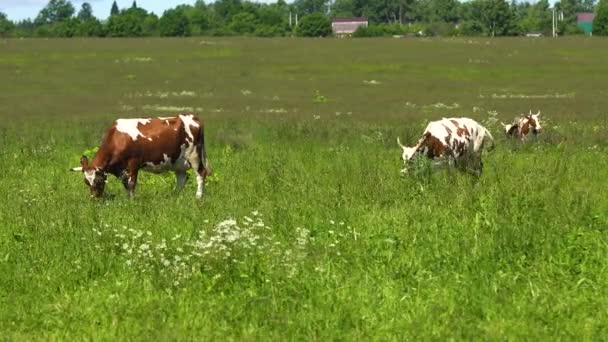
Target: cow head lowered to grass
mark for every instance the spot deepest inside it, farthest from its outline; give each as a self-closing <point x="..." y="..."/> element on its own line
<point x="457" y="141"/>
<point x="154" y="144"/>
<point x="521" y="127"/>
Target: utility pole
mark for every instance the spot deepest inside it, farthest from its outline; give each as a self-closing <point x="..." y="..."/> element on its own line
<point x="553" y="24"/>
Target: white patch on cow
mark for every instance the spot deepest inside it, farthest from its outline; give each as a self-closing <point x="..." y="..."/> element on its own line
<point x="167" y="122"/>
<point x="188" y="121"/>
<point x="163" y="166"/>
<point x="150" y="139"/>
<point x="89" y="175"/>
<point x="129" y="126"/>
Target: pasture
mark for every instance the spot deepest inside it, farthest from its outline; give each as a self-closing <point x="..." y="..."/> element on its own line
<point x="307" y="230"/>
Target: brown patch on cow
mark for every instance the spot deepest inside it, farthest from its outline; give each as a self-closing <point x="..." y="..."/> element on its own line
<point x="525" y="128"/>
<point x="433" y="147"/>
<point x="460" y="131"/>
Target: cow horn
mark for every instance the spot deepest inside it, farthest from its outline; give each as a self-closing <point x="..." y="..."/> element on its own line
<point x="399" y="142"/>
<point x="76" y="169"/>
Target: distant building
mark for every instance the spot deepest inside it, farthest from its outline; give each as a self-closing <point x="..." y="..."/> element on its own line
<point x="346" y="26"/>
<point x="585" y="22"/>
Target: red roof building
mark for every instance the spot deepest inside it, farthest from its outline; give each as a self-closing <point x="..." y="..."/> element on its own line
<point x="347" y="25"/>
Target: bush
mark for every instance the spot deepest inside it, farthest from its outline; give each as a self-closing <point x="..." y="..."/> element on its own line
<point x="90" y="28"/>
<point x="243" y="23"/>
<point x="368" y="31"/>
<point x="440" y="29"/>
<point x="174" y="23"/>
<point x="220" y="32"/>
<point x="571" y="29"/>
<point x="470" y="28"/>
<point x="269" y="31"/>
<point x="314" y="25"/>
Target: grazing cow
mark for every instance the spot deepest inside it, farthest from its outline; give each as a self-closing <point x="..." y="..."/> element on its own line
<point x="522" y="126"/>
<point x="156" y="145"/>
<point x="459" y="141"/>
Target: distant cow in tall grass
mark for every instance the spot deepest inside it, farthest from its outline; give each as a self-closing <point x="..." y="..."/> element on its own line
<point x="521" y="127"/>
<point x="156" y="145"/>
<point x="457" y="141"/>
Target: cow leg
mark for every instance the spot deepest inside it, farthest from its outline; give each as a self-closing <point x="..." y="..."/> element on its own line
<point x="129" y="179"/>
<point x="181" y="178"/>
<point x="199" y="169"/>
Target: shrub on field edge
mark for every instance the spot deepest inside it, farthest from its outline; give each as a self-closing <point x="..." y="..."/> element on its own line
<point x="314" y="25"/>
<point x="600" y="23"/>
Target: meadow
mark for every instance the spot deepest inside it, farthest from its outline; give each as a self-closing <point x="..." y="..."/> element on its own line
<point x="307" y="230"/>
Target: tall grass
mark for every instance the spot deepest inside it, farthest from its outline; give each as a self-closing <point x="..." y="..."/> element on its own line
<point x="307" y="230"/>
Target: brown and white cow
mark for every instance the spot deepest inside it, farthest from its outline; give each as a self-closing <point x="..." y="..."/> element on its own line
<point x="459" y="141"/>
<point x="153" y="144"/>
<point x="523" y="126"/>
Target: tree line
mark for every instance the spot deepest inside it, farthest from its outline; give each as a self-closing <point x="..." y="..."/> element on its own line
<point x="59" y="18"/>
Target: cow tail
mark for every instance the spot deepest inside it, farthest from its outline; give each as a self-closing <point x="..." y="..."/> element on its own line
<point x="490" y="140"/>
<point x="204" y="152"/>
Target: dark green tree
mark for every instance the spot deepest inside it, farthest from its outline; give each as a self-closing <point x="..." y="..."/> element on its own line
<point x="150" y="25"/>
<point x="311" y="6"/>
<point x="494" y="15"/>
<point x="243" y="23"/>
<point x="55" y="11"/>
<point x="134" y="5"/>
<point x="86" y="12"/>
<point x="225" y="9"/>
<point x="600" y="22"/>
<point x="342" y="8"/>
<point x="114" y="10"/>
<point x="314" y="25"/>
<point x="537" y="19"/>
<point x="6" y="26"/>
<point x="90" y="28"/>
<point x="128" y="23"/>
<point x="174" y="22"/>
<point x="66" y="28"/>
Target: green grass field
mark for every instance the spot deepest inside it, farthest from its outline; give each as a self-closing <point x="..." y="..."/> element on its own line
<point x="307" y="230"/>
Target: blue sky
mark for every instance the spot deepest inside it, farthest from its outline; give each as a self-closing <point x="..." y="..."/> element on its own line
<point x="22" y="9"/>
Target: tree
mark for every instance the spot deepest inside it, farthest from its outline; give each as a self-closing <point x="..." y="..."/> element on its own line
<point x="494" y="15"/>
<point x="114" y="10"/>
<point x="55" y="11"/>
<point x="225" y="9"/>
<point x="86" y="12"/>
<point x="134" y="5"/>
<point x="90" y="28"/>
<point x="174" y="23"/>
<point x="128" y="23"/>
<point x="342" y="8"/>
<point x="6" y="25"/>
<point x="311" y="6"/>
<point x="538" y="18"/>
<point x="314" y="25"/>
<point x="600" y="22"/>
<point x="243" y="23"/>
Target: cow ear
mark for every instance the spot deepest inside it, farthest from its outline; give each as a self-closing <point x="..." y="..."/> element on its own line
<point x="84" y="162"/>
